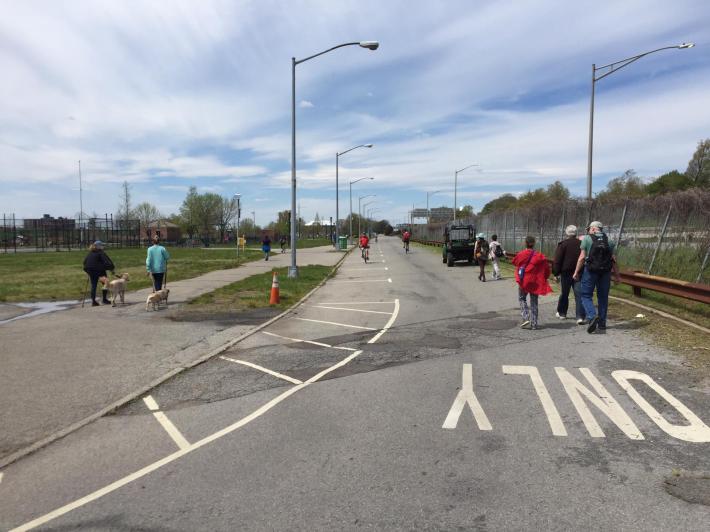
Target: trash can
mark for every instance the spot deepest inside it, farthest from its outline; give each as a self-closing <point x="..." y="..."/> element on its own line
<point x="342" y="242"/>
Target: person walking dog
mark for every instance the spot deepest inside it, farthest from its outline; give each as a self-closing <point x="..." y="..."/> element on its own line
<point x="563" y="267"/>
<point x="595" y="265"/>
<point x="531" y="273"/>
<point x="156" y="263"/>
<point x="95" y="265"/>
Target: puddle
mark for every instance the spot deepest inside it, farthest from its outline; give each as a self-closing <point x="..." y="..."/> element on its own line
<point x="40" y="307"/>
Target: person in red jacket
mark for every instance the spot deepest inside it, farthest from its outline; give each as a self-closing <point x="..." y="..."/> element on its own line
<point x="531" y="273"/>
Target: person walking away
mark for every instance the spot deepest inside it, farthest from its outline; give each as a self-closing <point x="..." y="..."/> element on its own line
<point x="596" y="263"/>
<point x="531" y="273"/>
<point x="495" y="254"/>
<point x="283" y="244"/>
<point x="480" y="253"/>
<point x="364" y="245"/>
<point x="406" y="236"/>
<point x="156" y="263"/>
<point x="266" y="246"/>
<point x="95" y="265"/>
<point x="563" y="267"/>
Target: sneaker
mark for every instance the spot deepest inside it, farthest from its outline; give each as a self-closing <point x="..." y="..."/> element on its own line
<point x="95" y="304"/>
<point x="560" y="316"/>
<point x="534" y="327"/>
<point x="602" y="326"/>
<point x="593" y="324"/>
<point x="581" y="321"/>
<point x="525" y="324"/>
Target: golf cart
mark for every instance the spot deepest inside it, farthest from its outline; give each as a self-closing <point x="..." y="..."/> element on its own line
<point x="459" y="243"/>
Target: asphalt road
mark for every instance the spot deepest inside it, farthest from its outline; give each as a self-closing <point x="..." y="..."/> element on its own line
<point x="416" y="403"/>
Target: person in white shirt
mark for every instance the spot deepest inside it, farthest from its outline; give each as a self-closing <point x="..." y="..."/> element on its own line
<point x="494" y="245"/>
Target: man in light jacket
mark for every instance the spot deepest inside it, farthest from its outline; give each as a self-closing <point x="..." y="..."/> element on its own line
<point x="156" y="263"/>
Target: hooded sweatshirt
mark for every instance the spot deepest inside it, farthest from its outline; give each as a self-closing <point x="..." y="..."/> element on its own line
<point x="537" y="270"/>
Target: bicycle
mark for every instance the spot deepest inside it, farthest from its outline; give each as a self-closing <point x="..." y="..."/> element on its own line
<point x="406" y="246"/>
<point x="365" y="253"/>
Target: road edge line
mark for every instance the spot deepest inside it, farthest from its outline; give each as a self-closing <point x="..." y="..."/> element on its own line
<point x="14" y="457"/>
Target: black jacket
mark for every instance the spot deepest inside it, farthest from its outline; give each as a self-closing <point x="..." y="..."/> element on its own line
<point x="98" y="261"/>
<point x="566" y="256"/>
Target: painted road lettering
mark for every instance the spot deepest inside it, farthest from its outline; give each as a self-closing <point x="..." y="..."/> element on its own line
<point x="467" y="397"/>
<point x="553" y="416"/>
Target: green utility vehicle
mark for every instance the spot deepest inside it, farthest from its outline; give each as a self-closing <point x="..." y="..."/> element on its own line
<point x="459" y="243"/>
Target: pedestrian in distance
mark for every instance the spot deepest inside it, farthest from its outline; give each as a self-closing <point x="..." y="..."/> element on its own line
<point x="496" y="253"/>
<point x="563" y="268"/>
<point x="283" y="244"/>
<point x="531" y="273"/>
<point x="406" y="237"/>
<point x="480" y="253"/>
<point x="596" y="263"/>
<point x="96" y="263"/>
<point x="156" y="263"/>
<point x="266" y="246"/>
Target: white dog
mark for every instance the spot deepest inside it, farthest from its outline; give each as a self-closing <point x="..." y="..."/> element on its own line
<point x="156" y="298"/>
<point x="118" y="288"/>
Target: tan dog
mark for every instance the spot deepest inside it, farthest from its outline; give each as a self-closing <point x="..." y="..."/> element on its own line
<point x="156" y="298"/>
<point x="118" y="288"/>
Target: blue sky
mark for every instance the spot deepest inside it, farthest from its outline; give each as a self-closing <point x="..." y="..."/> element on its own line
<point x="167" y="95"/>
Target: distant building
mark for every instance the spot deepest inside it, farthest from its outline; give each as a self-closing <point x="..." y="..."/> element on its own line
<point x="48" y="222"/>
<point x="167" y="230"/>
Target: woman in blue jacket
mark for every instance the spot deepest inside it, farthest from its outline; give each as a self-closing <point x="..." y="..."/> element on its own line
<point x="156" y="263"/>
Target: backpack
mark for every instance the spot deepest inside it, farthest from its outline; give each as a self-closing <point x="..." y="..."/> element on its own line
<point x="599" y="259"/>
<point x="484" y="249"/>
<point x="498" y="252"/>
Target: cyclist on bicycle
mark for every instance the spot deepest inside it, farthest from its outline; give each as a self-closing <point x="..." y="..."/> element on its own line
<point x="405" y="239"/>
<point x="364" y="245"/>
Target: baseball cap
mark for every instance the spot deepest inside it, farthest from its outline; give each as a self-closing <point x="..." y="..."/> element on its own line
<point x="99" y="244"/>
<point x="598" y="225"/>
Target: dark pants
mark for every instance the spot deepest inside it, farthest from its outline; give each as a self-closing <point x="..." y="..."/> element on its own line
<point x="482" y="266"/>
<point x="602" y="283"/>
<point x="158" y="281"/>
<point x="566" y="282"/>
<point x="94" y="277"/>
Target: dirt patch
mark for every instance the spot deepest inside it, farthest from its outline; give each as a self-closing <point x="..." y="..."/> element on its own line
<point x="225" y="317"/>
<point x="689" y="487"/>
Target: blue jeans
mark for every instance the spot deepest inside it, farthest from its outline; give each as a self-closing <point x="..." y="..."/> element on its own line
<point x="566" y="282"/>
<point x="602" y="282"/>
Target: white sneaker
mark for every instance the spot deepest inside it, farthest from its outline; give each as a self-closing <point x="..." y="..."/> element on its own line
<point x="560" y="316"/>
<point x="525" y="324"/>
<point x="580" y="321"/>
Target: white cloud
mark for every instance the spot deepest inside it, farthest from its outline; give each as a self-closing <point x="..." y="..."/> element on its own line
<point x="305" y="104"/>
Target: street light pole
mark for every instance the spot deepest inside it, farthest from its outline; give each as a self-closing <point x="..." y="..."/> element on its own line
<point x="456" y="185"/>
<point x="337" y="190"/>
<point x="370" y="45"/>
<point x="611" y="68"/>
<point x="359" y="211"/>
<point x="239" y="214"/>
<point x="350" y="236"/>
<point x="81" y="207"/>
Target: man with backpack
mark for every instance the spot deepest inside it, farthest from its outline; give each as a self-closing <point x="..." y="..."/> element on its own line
<point x="497" y="252"/>
<point x="480" y="253"/>
<point x="599" y="261"/>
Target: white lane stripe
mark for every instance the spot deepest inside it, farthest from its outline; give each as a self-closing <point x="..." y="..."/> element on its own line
<point x="1" y="475"/>
<point x="357" y="303"/>
<point x="150" y="403"/>
<point x="366" y="281"/>
<point x="343" y="270"/>
<point x="321" y="344"/>
<point x="262" y="368"/>
<point x="209" y="439"/>
<point x="171" y="429"/>
<point x="338" y="324"/>
<point x="389" y="280"/>
<point x="352" y="309"/>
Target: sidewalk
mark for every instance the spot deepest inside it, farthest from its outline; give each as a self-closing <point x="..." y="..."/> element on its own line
<point x="59" y="368"/>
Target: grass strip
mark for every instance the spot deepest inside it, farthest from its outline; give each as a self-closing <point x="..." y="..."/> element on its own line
<point x="58" y="276"/>
<point x="253" y="292"/>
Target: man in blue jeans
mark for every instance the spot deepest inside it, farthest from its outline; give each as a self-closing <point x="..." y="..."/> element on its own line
<point x="598" y="259"/>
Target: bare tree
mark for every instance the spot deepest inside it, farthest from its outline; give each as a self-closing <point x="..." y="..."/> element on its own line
<point x="124" y="207"/>
<point x="226" y="212"/>
<point x="146" y="213"/>
<point x="698" y="171"/>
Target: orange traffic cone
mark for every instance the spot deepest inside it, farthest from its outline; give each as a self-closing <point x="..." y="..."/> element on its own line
<point x="275" y="299"/>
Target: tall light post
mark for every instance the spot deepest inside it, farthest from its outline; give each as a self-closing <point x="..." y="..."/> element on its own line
<point x="81" y="207"/>
<point x="350" y="236"/>
<point x="428" y="214"/>
<point x="369" y="218"/>
<point x="370" y="45"/>
<point x="337" y="189"/>
<point x="359" y="210"/>
<point x="611" y="68"/>
<point x="456" y="185"/>
<point x="238" y="199"/>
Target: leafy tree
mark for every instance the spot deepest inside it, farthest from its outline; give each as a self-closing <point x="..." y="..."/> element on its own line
<point x="698" y="172"/>
<point x="628" y="185"/>
<point x="532" y="197"/>
<point x="501" y="203"/>
<point x="466" y="212"/>
<point x="189" y="212"/>
<point x="557" y="192"/>
<point x="668" y="182"/>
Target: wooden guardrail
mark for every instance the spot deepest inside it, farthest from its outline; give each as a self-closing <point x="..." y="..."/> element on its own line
<point x="638" y="281"/>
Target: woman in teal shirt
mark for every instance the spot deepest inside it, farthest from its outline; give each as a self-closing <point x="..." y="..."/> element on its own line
<point x="156" y="263"/>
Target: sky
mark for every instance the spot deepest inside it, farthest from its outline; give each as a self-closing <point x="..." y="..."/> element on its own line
<point x="172" y="94"/>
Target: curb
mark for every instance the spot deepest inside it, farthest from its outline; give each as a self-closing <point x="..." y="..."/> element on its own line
<point x="145" y="389"/>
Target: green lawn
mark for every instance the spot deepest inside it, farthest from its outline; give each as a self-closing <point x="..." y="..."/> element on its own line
<point x="59" y="275"/>
<point x="253" y="292"/>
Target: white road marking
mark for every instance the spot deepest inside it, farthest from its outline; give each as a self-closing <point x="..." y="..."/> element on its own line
<point x="209" y="439"/>
<point x="466" y="396"/>
<point x="389" y="280"/>
<point x="366" y="281"/>
<point x="321" y="344"/>
<point x="1" y="475"/>
<point x="171" y="429"/>
<point x="357" y="303"/>
<point x="336" y="323"/>
<point x="344" y="271"/>
<point x="352" y="309"/>
<point x="553" y="416"/>
<point x="602" y="400"/>
<point x="262" y="368"/>
<point x="696" y="431"/>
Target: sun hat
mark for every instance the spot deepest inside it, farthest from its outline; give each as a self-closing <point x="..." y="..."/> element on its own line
<point x="598" y="225"/>
<point x="571" y="230"/>
<point x="480" y="235"/>
<point x="98" y="244"/>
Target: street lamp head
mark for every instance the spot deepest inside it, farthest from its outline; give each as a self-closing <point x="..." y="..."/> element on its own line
<point x="369" y="145"/>
<point x="370" y="45"/>
<point x="684" y="45"/>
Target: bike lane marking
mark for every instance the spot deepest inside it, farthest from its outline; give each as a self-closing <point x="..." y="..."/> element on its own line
<point x="337" y="323"/>
<point x="168" y="425"/>
<point x="312" y="342"/>
<point x="263" y="369"/>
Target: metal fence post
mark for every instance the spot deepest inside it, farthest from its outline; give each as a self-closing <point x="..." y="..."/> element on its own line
<point x="702" y="266"/>
<point x="660" y="239"/>
<point x="14" y="233"/>
<point x="621" y="227"/>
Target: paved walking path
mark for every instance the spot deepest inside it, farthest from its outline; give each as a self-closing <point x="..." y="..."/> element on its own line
<point x="59" y="368"/>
